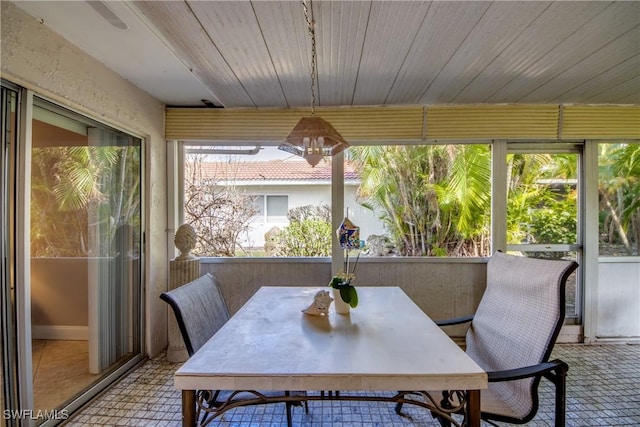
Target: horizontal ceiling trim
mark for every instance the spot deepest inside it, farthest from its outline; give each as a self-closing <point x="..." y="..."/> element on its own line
<point x="275" y="124"/>
<point x="492" y="121"/>
<point x="600" y="121"/>
<point x="432" y="123"/>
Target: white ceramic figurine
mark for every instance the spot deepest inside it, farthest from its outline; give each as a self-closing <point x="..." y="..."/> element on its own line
<point x="320" y="305"/>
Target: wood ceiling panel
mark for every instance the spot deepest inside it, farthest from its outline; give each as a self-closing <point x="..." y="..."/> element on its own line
<point x="252" y="54"/>
<point x="340" y="32"/>
<point x="627" y="92"/>
<point x="186" y="38"/>
<point x="498" y="27"/>
<point x="446" y="27"/>
<point x="554" y="24"/>
<point x="385" y="51"/>
<point x="627" y="71"/>
<point x="630" y="96"/>
<point x="236" y="34"/>
<point x="285" y="32"/>
<point x="615" y="20"/>
<point x="597" y="63"/>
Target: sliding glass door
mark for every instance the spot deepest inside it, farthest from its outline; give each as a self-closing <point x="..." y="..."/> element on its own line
<point x="86" y="233"/>
<point x="72" y="272"/>
<point x="8" y="355"/>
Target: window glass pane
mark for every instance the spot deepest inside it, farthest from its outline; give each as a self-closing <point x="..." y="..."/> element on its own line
<point x="257" y="201"/>
<point x="619" y="191"/>
<point x="86" y="221"/>
<point x="572" y="290"/>
<point x="413" y="200"/>
<point x="542" y="198"/>
<point x="421" y="200"/>
<point x="277" y="208"/>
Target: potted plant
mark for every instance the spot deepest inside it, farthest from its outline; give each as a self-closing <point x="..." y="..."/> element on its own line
<point x="347" y="292"/>
<point x="344" y="293"/>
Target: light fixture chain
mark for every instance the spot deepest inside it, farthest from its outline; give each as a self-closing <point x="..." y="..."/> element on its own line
<point x="308" y="14"/>
<point x="313" y="137"/>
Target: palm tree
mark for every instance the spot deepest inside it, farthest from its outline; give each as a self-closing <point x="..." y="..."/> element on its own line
<point x="85" y="192"/>
<point x="542" y="199"/>
<point x="433" y="199"/>
<point x="620" y="194"/>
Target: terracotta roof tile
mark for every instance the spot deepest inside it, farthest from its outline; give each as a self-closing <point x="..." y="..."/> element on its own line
<point x="273" y="170"/>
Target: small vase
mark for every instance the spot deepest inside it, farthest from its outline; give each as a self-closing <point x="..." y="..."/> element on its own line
<point x="340" y="306"/>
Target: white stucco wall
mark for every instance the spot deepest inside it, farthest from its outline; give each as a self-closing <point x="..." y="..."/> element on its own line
<point x="38" y="59"/>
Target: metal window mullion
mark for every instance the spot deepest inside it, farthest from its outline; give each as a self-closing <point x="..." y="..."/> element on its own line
<point x="498" y="196"/>
<point x="591" y="246"/>
<point x="337" y="210"/>
<point x="175" y="194"/>
<point x="23" y="252"/>
<point x="542" y="247"/>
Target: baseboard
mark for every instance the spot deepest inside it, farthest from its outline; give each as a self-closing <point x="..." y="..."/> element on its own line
<point x="58" y="332"/>
<point x="618" y="340"/>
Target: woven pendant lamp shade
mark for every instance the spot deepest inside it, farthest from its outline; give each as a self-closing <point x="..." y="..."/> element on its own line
<point x="313" y="138"/>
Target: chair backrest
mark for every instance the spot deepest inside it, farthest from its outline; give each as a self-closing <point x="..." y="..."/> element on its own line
<point x="200" y="310"/>
<point x="518" y="321"/>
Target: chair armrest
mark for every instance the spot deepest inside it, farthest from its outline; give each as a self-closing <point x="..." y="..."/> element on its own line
<point x="454" y="321"/>
<point x="527" y="371"/>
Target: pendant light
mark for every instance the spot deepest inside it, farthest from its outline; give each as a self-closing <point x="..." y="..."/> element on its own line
<point x="313" y="137"/>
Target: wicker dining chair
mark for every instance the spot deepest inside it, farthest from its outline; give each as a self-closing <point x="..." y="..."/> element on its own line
<point x="512" y="334"/>
<point x="200" y="310"/>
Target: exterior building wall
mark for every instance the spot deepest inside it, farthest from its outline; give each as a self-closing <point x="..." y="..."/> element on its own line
<point x="40" y="60"/>
<point x="310" y="194"/>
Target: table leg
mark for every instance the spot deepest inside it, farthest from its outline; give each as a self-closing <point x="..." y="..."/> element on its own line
<point x="188" y="408"/>
<point x="473" y="408"/>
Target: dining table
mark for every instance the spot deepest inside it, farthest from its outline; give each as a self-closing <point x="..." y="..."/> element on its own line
<point x="386" y="343"/>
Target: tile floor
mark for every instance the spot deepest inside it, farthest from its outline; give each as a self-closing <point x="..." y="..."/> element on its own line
<point x="60" y="371"/>
<point x="603" y="390"/>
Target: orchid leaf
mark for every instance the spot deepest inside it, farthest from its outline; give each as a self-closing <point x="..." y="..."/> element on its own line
<point x="353" y="300"/>
<point x="345" y="294"/>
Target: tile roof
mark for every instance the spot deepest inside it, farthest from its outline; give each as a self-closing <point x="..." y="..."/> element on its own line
<point x="273" y="170"/>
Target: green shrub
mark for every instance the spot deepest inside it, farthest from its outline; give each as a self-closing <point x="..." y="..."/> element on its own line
<point x="309" y="237"/>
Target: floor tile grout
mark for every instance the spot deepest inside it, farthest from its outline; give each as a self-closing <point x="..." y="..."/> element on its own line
<point x="601" y="390"/>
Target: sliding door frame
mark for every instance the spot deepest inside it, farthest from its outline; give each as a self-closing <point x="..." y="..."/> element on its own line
<point x="19" y="387"/>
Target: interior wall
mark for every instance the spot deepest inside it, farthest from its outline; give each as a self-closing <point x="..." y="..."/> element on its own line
<point x="38" y="59"/>
<point x="59" y="292"/>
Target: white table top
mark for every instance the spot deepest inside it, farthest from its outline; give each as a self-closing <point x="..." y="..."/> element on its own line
<point x="386" y="343"/>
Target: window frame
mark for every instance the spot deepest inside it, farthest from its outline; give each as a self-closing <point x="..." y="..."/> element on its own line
<point x="263" y="216"/>
<point x="177" y="152"/>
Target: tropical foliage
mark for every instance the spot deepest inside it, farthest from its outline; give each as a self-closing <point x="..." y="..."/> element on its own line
<point x="80" y="196"/>
<point x="541" y="202"/>
<point x="619" y="190"/>
<point x="432" y="199"/>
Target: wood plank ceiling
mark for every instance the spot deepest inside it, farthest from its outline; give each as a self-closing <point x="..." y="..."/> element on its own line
<point x="257" y="53"/>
